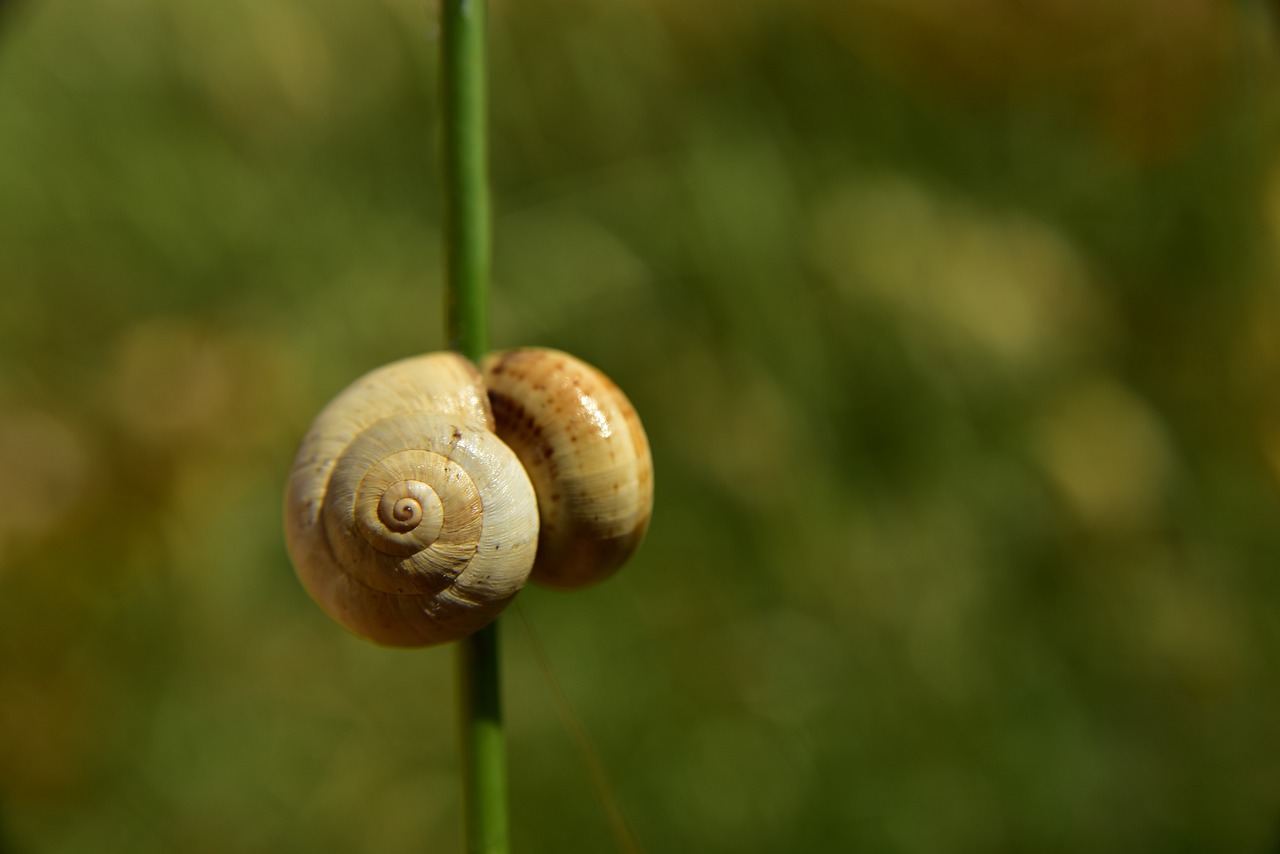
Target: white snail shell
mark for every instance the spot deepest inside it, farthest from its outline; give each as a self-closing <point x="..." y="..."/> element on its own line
<point x="407" y="519"/>
<point x="581" y="442"/>
<point x="411" y="514"/>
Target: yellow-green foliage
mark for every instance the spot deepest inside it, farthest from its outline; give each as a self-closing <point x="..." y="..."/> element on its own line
<point x="956" y="334"/>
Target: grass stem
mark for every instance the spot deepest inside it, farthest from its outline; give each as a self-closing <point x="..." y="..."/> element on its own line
<point x="466" y="186"/>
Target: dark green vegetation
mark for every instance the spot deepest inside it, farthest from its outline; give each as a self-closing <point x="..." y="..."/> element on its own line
<point x="958" y="342"/>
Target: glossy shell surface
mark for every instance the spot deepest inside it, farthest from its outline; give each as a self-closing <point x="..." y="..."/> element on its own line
<point x="581" y="442"/>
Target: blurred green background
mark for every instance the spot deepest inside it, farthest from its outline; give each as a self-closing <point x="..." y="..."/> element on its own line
<point x="955" y="328"/>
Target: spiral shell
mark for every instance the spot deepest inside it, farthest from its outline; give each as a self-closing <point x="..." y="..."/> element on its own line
<point x="407" y="519"/>
<point x="581" y="442"/>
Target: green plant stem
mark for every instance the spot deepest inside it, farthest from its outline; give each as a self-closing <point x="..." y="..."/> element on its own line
<point x="466" y="175"/>
<point x="467" y="286"/>
<point x="484" y="760"/>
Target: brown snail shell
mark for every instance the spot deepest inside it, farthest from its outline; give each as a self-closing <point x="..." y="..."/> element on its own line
<point x="406" y="518"/>
<point x="581" y="442"/>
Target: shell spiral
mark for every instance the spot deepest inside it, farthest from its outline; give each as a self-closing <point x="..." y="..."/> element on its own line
<point x="408" y="520"/>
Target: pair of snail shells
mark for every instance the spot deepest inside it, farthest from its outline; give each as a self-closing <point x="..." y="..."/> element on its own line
<point x="411" y="511"/>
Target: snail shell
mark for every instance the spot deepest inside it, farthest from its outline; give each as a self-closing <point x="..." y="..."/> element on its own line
<point x="581" y="442"/>
<point x="407" y="519"/>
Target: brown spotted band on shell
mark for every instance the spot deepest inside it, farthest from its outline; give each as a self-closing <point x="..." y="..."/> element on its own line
<point x="581" y="442"/>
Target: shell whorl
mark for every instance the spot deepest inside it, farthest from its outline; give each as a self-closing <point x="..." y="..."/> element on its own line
<point x="406" y="518"/>
<point x="581" y="442"/>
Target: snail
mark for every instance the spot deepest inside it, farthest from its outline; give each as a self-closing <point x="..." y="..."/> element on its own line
<point x="582" y="444"/>
<point x="427" y="493"/>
